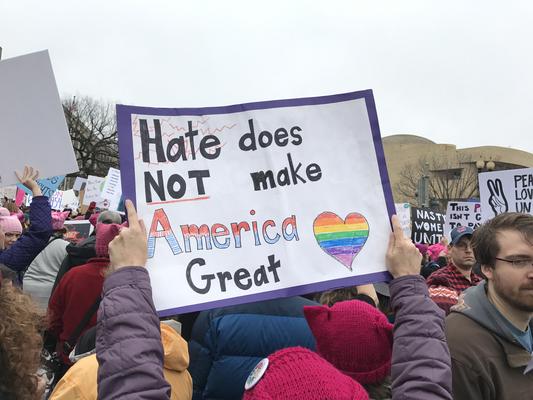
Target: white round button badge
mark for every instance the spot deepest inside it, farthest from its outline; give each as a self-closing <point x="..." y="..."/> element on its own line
<point x="256" y="374"/>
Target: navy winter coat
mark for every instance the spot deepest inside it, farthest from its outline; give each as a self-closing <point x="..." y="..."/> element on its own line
<point x="227" y="343"/>
<point x="21" y="253"/>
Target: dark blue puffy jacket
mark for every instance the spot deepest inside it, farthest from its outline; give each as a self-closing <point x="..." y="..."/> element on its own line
<point x="227" y="343"/>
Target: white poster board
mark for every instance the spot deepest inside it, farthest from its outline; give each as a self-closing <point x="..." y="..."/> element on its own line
<point x="112" y="189"/>
<point x="502" y="191"/>
<point x="257" y="201"/>
<point x="462" y="213"/>
<point x="33" y="122"/>
<point x="79" y="183"/>
<point x="403" y="211"/>
<point x="93" y="190"/>
<point x="70" y="200"/>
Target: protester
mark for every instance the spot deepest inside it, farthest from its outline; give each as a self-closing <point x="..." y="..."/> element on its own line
<point x="228" y="342"/>
<point x="73" y="305"/>
<point x="81" y="253"/>
<point x="20" y="345"/>
<point x="446" y="284"/>
<point x="18" y="254"/>
<point x="80" y="380"/>
<point x="490" y="330"/>
<point x="128" y="335"/>
<point x="42" y="272"/>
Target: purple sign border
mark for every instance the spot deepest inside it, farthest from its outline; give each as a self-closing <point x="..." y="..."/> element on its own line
<point x="127" y="169"/>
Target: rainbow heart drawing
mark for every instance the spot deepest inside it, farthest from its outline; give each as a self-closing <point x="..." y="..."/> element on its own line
<point x="341" y="239"/>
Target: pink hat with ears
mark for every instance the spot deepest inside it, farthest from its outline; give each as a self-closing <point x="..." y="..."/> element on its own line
<point x="355" y="337"/>
<point x="105" y="233"/>
<point x="58" y="219"/>
<point x="10" y="224"/>
<point x="4" y="212"/>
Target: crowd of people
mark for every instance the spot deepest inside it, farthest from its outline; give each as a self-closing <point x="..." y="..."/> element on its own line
<point x="78" y="320"/>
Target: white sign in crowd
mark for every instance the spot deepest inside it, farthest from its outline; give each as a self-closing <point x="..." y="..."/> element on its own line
<point x="259" y="200"/>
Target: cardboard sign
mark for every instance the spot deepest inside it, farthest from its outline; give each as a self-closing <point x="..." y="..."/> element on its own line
<point x="112" y="189"/>
<point x="48" y="185"/>
<point x="77" y="231"/>
<point x="427" y="225"/>
<point x="462" y="213"/>
<point x="503" y="191"/>
<point x="93" y="190"/>
<point x="33" y="119"/>
<point x="258" y="201"/>
<point x="403" y="211"/>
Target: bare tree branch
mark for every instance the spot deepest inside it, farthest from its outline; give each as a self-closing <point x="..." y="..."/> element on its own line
<point x="93" y="131"/>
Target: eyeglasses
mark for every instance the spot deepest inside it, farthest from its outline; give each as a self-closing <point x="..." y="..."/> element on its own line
<point x="520" y="263"/>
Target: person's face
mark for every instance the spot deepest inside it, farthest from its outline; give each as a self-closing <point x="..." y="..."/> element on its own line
<point x="461" y="254"/>
<point x="510" y="283"/>
<point x="10" y="238"/>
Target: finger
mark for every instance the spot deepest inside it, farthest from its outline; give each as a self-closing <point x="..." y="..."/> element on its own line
<point x="25" y="175"/>
<point x="391" y="244"/>
<point x="397" y="228"/>
<point x="133" y="219"/>
<point x="35" y="175"/>
<point x="143" y="227"/>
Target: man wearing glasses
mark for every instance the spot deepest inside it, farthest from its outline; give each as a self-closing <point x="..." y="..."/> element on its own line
<point x="489" y="330"/>
<point x="447" y="283"/>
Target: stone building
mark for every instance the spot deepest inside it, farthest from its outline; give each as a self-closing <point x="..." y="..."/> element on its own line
<point x="452" y="172"/>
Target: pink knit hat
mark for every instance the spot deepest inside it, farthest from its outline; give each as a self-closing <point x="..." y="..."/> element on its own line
<point x="58" y="219"/>
<point x="105" y="233"/>
<point x="10" y="224"/>
<point x="355" y="337"/>
<point x="4" y="212"/>
<point x="298" y="373"/>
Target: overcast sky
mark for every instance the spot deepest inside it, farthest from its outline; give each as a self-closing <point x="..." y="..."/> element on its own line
<point x="454" y="71"/>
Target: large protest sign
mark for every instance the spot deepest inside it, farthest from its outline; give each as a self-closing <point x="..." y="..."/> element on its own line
<point x="403" y="211"/>
<point x="33" y="122"/>
<point x="427" y="225"/>
<point x="112" y="189"/>
<point x="462" y="213"/>
<point x="502" y="191"/>
<point x="257" y="201"/>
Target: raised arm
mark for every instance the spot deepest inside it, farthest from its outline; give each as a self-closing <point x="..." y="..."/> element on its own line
<point x="421" y="364"/>
<point x="128" y="344"/>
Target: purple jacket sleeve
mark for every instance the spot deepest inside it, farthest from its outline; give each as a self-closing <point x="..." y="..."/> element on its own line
<point x="128" y="339"/>
<point x="20" y="255"/>
<point x="421" y="363"/>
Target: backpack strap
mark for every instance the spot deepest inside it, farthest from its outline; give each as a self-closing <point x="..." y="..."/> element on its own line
<point x="69" y="344"/>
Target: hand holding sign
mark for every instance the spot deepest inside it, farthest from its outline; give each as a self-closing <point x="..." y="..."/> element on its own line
<point x="497" y="199"/>
<point x="129" y="248"/>
<point x="28" y="179"/>
<point x="402" y="258"/>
